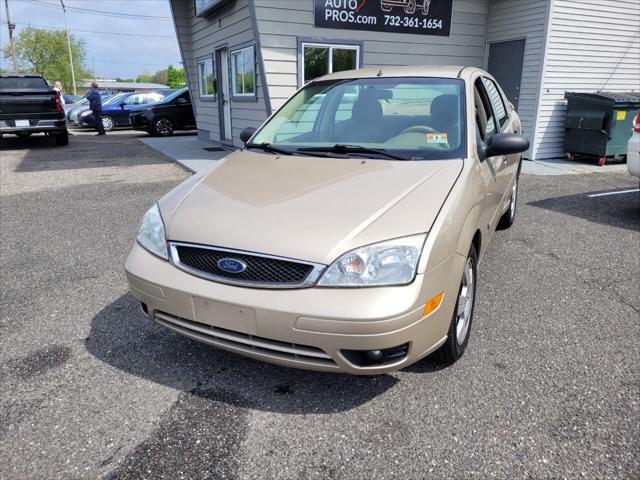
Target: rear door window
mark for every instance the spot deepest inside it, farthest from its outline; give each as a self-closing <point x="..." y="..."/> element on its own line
<point x="497" y="103"/>
<point x="23" y="83"/>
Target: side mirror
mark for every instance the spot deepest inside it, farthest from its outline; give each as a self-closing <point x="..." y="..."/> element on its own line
<point x="247" y="133"/>
<point x="506" y="144"/>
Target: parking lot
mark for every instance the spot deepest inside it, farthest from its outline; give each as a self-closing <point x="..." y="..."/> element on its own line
<point x="549" y="387"/>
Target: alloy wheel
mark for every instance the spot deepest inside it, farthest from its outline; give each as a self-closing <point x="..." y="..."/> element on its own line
<point x="107" y="123"/>
<point x="164" y="127"/>
<point x="465" y="302"/>
<point x="514" y="198"/>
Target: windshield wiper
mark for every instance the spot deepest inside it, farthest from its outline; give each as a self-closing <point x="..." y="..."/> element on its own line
<point x="347" y="149"/>
<point x="267" y="147"/>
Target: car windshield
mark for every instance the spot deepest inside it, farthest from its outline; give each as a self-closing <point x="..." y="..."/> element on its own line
<point x="411" y="118"/>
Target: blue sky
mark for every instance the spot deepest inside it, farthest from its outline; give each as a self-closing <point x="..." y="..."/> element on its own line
<point x="153" y="48"/>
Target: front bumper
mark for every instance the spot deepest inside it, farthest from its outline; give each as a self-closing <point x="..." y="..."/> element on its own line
<point x="305" y="328"/>
<point x="35" y="126"/>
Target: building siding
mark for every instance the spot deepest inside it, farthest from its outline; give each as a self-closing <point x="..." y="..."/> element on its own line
<point x="199" y="37"/>
<point x="518" y="19"/>
<point x="591" y="46"/>
<point x="279" y="41"/>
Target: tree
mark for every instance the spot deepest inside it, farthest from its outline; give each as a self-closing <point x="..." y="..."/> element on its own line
<point x="176" y="77"/>
<point x="45" y="52"/>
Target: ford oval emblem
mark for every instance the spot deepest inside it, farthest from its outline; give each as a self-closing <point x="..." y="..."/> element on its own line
<point x="231" y="265"/>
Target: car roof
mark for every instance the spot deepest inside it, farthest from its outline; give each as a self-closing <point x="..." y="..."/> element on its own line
<point x="20" y="75"/>
<point x="440" y="71"/>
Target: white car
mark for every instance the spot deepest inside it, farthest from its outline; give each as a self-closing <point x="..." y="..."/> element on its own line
<point x="633" y="150"/>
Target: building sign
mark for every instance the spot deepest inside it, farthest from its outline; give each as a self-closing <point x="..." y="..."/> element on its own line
<point x="422" y="17"/>
<point x="206" y="7"/>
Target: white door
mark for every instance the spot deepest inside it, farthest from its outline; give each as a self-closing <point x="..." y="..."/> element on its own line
<point x="226" y="96"/>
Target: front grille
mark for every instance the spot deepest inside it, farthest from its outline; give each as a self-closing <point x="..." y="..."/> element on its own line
<point x="244" y="343"/>
<point x="261" y="271"/>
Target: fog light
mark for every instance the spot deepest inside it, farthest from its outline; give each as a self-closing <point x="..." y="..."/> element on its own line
<point x="432" y="305"/>
<point x="370" y="358"/>
<point x="375" y="355"/>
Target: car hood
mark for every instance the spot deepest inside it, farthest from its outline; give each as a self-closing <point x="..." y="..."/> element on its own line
<point x="307" y="208"/>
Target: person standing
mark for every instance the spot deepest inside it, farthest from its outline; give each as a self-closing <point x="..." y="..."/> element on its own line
<point x="58" y="88"/>
<point x="95" y="105"/>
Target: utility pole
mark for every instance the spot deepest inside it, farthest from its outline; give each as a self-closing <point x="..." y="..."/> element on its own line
<point x="11" y="27"/>
<point x="66" y="26"/>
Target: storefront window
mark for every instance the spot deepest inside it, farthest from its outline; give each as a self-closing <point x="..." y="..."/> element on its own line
<point x="243" y="72"/>
<point x="323" y="59"/>
<point x="206" y="78"/>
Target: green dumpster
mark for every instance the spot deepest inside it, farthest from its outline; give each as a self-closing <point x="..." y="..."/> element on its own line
<point x="599" y="124"/>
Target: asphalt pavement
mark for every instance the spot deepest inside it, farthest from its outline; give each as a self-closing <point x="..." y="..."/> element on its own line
<point x="90" y="388"/>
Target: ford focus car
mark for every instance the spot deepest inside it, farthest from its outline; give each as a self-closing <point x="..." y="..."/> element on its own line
<point x="346" y="235"/>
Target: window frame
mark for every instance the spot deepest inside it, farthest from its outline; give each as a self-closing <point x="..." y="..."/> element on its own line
<point x="204" y="96"/>
<point x="235" y="95"/>
<point x="331" y="45"/>
<point x="486" y="101"/>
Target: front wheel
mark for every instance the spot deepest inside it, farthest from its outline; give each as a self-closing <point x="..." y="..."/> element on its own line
<point x="108" y="123"/>
<point x="460" y="327"/>
<point x="163" y="127"/>
<point x="410" y="8"/>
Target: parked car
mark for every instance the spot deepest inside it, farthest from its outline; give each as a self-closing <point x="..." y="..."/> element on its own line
<point x="633" y="149"/>
<point x="161" y="119"/>
<point x="341" y="243"/>
<point x="409" y="6"/>
<point x="28" y="104"/>
<point x="71" y="99"/>
<point x="115" y="113"/>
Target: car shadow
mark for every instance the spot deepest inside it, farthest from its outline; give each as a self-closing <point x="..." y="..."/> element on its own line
<point x="620" y="210"/>
<point x="123" y="337"/>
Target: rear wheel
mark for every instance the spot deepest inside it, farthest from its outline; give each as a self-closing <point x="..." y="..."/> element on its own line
<point x="460" y="327"/>
<point x="108" y="123"/>
<point x="163" y="127"/>
<point x="62" y="138"/>
<point x="510" y="215"/>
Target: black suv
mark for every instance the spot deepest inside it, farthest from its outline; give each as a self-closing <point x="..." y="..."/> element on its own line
<point x="163" y="118"/>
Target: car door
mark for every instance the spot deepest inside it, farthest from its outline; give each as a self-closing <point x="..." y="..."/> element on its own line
<point x="507" y="165"/>
<point x="486" y="127"/>
<point x="185" y="117"/>
<point x="132" y="101"/>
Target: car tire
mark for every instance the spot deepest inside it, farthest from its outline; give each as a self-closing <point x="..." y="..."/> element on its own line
<point x="108" y="123"/>
<point x="163" y="127"/>
<point x="460" y="326"/>
<point x="62" y="138"/>
<point x="509" y="216"/>
<point x="410" y="9"/>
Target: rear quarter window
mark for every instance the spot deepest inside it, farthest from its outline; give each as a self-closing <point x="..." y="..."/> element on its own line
<point x="23" y="83"/>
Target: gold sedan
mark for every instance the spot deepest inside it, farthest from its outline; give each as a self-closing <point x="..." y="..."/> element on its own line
<point x="346" y="235"/>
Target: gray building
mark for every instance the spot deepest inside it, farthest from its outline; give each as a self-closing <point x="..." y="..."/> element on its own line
<point x="244" y="58"/>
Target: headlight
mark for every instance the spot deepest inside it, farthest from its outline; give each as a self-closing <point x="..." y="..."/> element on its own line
<point x="151" y="233"/>
<point x="389" y="263"/>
